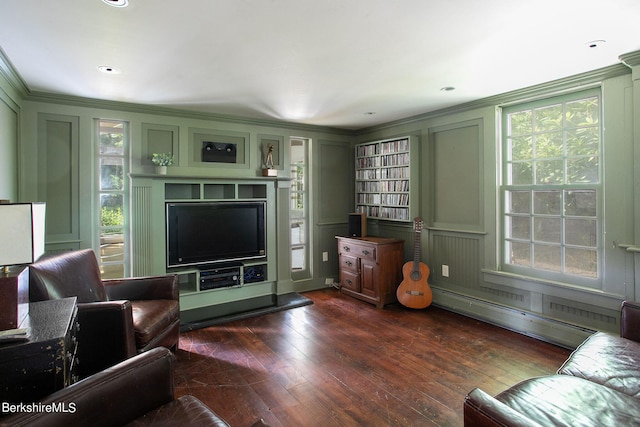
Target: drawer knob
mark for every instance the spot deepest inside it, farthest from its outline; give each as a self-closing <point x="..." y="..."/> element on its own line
<point x="349" y="281"/>
<point x="365" y="252"/>
<point x="349" y="263"/>
<point x="346" y="248"/>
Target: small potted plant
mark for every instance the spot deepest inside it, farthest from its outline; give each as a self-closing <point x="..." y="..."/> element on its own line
<point x="162" y="160"/>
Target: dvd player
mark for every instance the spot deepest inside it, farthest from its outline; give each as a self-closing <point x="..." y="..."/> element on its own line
<point x="221" y="277"/>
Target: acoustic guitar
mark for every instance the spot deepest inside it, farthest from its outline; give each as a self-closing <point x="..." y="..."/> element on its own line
<point x="414" y="291"/>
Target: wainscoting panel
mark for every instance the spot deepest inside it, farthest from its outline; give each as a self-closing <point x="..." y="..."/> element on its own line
<point x="461" y="255"/>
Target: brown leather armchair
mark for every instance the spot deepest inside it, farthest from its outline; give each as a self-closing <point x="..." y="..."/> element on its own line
<point x="118" y="318"/>
<point x="136" y="392"/>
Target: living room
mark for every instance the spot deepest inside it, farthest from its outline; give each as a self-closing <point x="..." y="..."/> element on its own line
<point x="49" y="154"/>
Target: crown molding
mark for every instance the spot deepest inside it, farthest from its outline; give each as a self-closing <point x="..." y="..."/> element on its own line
<point x="630" y="59"/>
<point x="176" y="112"/>
<point x="11" y="75"/>
<point x="579" y="81"/>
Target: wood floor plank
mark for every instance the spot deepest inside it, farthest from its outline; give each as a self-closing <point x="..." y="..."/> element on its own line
<point x="343" y="362"/>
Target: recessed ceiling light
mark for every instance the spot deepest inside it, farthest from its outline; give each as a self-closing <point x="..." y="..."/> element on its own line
<point x="108" y="69"/>
<point x="596" y="43"/>
<point x="116" y="3"/>
<point x="447" y="88"/>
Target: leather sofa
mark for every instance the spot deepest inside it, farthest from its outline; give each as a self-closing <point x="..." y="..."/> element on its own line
<point x="118" y="318"/>
<point x="598" y="385"/>
<point x="136" y="392"/>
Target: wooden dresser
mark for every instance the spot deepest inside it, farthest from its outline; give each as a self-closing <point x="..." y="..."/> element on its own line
<point x="46" y="361"/>
<point x="371" y="268"/>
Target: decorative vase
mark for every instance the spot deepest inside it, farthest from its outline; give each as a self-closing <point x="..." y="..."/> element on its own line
<point x="161" y="170"/>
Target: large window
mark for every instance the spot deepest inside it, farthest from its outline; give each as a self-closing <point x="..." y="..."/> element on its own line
<point x="552" y="187"/>
<point x="112" y="200"/>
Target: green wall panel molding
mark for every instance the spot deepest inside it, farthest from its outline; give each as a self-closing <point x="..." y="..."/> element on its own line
<point x="59" y="174"/>
<point x="277" y="142"/>
<point x="199" y="137"/>
<point x="158" y="138"/>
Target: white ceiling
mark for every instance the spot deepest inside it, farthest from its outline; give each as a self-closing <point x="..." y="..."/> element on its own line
<point x="322" y="62"/>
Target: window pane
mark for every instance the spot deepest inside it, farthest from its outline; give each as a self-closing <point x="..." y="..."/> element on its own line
<point x="548" y="118"/>
<point x="297" y="233"/>
<point x="521" y="148"/>
<point x="521" y="122"/>
<point x="518" y="202"/>
<point x="580" y="202"/>
<point x="521" y="173"/>
<point x="549" y="172"/>
<point x="111" y="138"/>
<point x="583" y="262"/>
<point x="111" y="210"/>
<point x="297" y="258"/>
<point x="582" y="170"/>
<point x="582" y="232"/>
<point x="547" y="257"/>
<point x="549" y="145"/>
<point x="111" y="174"/>
<point x="519" y="227"/>
<point x="582" y="112"/>
<point x="583" y="141"/>
<point x="547" y="230"/>
<point x="297" y="201"/>
<point x="112" y="246"/>
<point x="519" y="253"/>
<point x="547" y="202"/>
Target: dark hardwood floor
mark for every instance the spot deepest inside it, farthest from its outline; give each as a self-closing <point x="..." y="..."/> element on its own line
<point x="342" y="362"/>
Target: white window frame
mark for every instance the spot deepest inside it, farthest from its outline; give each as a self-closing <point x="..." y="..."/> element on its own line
<point x="300" y="219"/>
<point x="124" y="192"/>
<point x="507" y="186"/>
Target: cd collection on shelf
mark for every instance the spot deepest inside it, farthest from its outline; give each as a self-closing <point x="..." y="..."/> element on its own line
<point x="383" y="179"/>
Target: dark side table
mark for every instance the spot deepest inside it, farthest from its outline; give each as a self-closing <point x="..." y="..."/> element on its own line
<point x="45" y="362"/>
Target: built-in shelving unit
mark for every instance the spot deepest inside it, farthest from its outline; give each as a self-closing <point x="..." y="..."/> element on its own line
<point x="200" y="296"/>
<point x="383" y="179"/>
<point x="249" y="272"/>
<point x="213" y="192"/>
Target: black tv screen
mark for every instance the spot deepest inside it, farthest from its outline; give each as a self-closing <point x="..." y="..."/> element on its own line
<point x="206" y="233"/>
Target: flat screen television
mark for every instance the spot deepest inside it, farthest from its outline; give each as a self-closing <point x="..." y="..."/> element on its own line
<point x="203" y="233"/>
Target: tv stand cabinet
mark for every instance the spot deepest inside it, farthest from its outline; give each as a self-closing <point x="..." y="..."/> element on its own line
<point x="371" y="268"/>
<point x="151" y="193"/>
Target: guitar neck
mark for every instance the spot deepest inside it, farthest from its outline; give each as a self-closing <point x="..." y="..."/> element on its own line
<point x="416" y="249"/>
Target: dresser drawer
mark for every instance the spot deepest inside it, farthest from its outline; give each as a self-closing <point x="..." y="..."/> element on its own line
<point x="350" y="280"/>
<point x="349" y="263"/>
<point x="360" y="251"/>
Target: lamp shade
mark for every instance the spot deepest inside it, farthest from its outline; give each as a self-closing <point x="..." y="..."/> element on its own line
<point x="22" y="228"/>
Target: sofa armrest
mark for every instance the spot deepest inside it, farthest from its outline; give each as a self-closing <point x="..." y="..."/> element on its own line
<point x="630" y="320"/>
<point x="482" y="410"/>
<point x="115" y="396"/>
<point x="105" y="335"/>
<point x="143" y="288"/>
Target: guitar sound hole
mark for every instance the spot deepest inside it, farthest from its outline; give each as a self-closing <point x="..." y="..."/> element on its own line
<point x="416" y="276"/>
